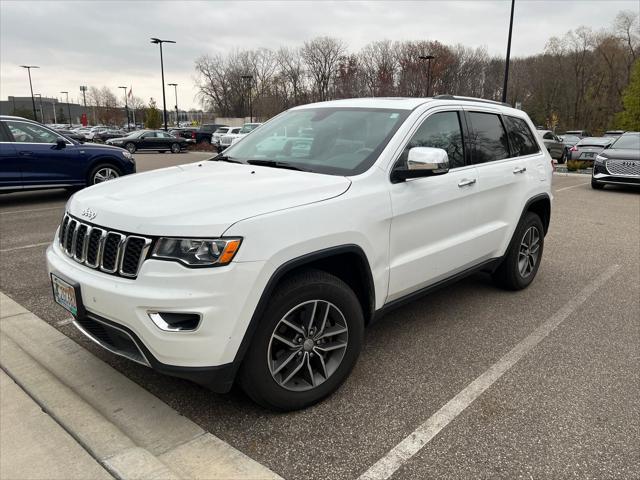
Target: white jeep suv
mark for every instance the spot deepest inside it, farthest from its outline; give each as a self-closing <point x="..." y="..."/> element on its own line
<point x="265" y="264"/>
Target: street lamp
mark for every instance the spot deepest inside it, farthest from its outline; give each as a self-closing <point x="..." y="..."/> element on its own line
<point x="164" y="100"/>
<point x="68" y="107"/>
<point x="175" y="88"/>
<point x="33" y="101"/>
<point x="126" y="107"/>
<point x="428" y="58"/>
<point x="248" y="79"/>
<point x="506" y="66"/>
<point x="41" y="111"/>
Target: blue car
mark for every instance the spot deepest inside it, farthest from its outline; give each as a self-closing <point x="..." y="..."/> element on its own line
<point x="34" y="157"/>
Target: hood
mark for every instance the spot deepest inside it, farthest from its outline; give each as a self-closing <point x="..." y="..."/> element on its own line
<point x="119" y="139"/>
<point x="200" y="199"/>
<point x="621" y="154"/>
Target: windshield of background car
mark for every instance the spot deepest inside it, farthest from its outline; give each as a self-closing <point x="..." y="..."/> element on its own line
<point x="570" y="139"/>
<point x="628" y="142"/>
<point x="335" y="141"/>
<point x="137" y="134"/>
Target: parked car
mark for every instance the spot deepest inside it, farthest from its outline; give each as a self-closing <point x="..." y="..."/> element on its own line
<point x="578" y="133"/>
<point x="33" y="156"/>
<point x="613" y="133"/>
<point x="266" y="264"/>
<point x="104" y="135"/>
<point x="619" y="164"/>
<point x="227" y="139"/>
<point x="218" y="134"/>
<point x="186" y="133"/>
<point x="204" y="133"/>
<point x="246" y="129"/>
<point x="569" y="140"/>
<point x="157" y="140"/>
<point x="587" y="148"/>
<point x="554" y="145"/>
<point x="78" y="137"/>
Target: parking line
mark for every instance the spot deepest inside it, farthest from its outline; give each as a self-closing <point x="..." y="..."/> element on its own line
<point x="572" y="186"/>
<point x="9" y="212"/>
<point x="5" y="250"/>
<point x="407" y="448"/>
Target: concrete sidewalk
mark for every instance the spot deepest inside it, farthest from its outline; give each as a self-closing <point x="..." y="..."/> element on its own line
<point x="72" y="415"/>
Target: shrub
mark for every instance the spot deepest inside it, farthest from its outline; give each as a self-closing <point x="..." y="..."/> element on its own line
<point x="574" y="165"/>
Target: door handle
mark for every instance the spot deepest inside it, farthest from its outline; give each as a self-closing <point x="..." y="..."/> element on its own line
<point x="519" y="170"/>
<point x="25" y="153"/>
<point x="466" y="183"/>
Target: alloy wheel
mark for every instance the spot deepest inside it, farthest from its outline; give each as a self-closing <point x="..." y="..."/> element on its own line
<point x="307" y="345"/>
<point x="105" y="174"/>
<point x="529" y="251"/>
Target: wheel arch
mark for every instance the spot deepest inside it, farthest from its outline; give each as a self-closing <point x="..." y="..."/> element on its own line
<point x="102" y="160"/>
<point x="347" y="262"/>
<point x="540" y="205"/>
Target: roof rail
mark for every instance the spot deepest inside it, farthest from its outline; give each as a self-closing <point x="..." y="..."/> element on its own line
<point x="469" y="99"/>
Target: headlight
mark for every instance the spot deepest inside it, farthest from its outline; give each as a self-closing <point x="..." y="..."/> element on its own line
<point x="600" y="159"/>
<point x="196" y="252"/>
<point x="126" y="154"/>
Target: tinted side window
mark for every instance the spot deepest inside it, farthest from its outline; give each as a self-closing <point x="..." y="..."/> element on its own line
<point x="440" y="130"/>
<point x="520" y="137"/>
<point x="488" y="138"/>
<point x="4" y="136"/>
<point x="24" y="132"/>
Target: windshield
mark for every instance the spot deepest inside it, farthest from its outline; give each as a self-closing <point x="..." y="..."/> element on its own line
<point x="335" y="141"/>
<point x="136" y="134"/>
<point x="628" y="142"/>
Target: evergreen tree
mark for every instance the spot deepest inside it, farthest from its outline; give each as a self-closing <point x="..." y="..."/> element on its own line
<point x="153" y="118"/>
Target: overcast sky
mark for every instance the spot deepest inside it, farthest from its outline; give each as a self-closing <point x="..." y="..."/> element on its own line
<point x="107" y="42"/>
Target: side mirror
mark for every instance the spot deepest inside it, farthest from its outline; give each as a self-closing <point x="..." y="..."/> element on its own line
<point x="422" y="162"/>
<point x="61" y="143"/>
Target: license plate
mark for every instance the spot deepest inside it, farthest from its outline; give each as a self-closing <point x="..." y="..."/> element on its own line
<point x="65" y="295"/>
<point x="589" y="154"/>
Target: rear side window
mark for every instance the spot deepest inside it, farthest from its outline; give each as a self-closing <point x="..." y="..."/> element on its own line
<point x="489" y="138"/>
<point x="520" y="137"/>
<point x="440" y="130"/>
<point x="4" y="137"/>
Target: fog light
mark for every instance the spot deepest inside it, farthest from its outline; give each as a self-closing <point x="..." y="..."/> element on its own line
<point x="175" y="322"/>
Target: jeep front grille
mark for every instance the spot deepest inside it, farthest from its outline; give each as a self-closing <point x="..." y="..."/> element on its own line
<point x="624" y="167"/>
<point x="110" y="252"/>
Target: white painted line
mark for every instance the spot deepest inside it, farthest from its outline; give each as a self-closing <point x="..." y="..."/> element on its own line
<point x="32" y="210"/>
<point x="64" y="322"/>
<point x="572" y="186"/>
<point x="407" y="448"/>
<point x="4" y="250"/>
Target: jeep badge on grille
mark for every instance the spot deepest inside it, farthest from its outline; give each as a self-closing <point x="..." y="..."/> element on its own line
<point x="90" y="214"/>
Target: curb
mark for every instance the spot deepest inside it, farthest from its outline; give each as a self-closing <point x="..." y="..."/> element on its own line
<point x="130" y="432"/>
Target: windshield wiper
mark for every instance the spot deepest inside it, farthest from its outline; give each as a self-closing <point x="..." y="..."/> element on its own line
<point x="275" y="164"/>
<point x="225" y="158"/>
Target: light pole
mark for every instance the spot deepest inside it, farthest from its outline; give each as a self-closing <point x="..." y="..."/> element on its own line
<point x="175" y="88"/>
<point x="249" y="80"/>
<point x="33" y="101"/>
<point x="164" y="100"/>
<point x="506" y="67"/>
<point x="428" y="58"/>
<point x="41" y="111"/>
<point x="68" y="107"/>
<point x="126" y="107"/>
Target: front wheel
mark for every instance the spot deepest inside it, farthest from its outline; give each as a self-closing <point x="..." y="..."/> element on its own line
<point x="306" y="344"/>
<point x="175" y="148"/>
<point x="103" y="173"/>
<point x="131" y="147"/>
<point x="520" y="265"/>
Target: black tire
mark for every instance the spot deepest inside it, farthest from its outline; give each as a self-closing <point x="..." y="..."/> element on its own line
<point x="255" y="375"/>
<point x="509" y="275"/>
<point x="596" y="185"/>
<point x="175" y="148"/>
<point x="131" y="147"/>
<point x="91" y="179"/>
<point x="563" y="157"/>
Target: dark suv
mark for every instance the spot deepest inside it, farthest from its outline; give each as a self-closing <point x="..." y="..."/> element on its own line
<point x="203" y="134"/>
<point x="33" y="156"/>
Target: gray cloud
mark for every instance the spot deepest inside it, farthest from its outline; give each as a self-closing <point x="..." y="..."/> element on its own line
<point x="107" y="43"/>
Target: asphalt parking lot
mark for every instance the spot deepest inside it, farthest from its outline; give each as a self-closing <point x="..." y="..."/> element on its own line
<point x="568" y="408"/>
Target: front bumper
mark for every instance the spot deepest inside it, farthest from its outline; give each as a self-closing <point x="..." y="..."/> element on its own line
<point x="601" y="175"/>
<point x="225" y="297"/>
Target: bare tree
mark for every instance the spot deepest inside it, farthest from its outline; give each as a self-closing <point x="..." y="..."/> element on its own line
<point x="321" y="57"/>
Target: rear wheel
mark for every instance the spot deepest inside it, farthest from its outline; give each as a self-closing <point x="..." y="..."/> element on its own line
<point x="307" y="342"/>
<point x="520" y="265"/>
<point x="131" y="147"/>
<point x="175" y="148"/>
<point x="103" y="173"/>
<point x="563" y="157"/>
<point x="596" y="185"/>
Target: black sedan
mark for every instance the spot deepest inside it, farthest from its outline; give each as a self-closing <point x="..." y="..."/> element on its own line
<point x="78" y="137"/>
<point x="618" y="164"/>
<point x="157" y="140"/>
